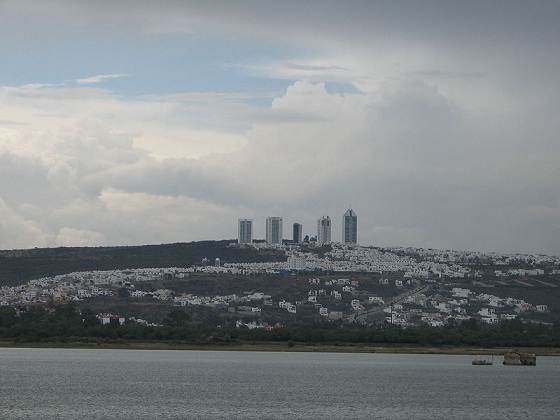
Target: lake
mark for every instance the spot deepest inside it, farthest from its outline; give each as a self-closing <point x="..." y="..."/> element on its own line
<point x="184" y="384"/>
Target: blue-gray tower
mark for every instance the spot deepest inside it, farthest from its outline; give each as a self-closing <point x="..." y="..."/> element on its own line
<point x="350" y="227"/>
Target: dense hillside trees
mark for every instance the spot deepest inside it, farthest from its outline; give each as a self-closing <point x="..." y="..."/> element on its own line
<point x="65" y="323"/>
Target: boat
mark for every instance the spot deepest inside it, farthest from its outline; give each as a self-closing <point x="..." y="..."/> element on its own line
<point x="515" y="358"/>
<point x="481" y="361"/>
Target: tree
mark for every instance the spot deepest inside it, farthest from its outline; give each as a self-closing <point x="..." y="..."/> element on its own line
<point x="7" y="316"/>
<point x="67" y="312"/>
<point x="177" y="318"/>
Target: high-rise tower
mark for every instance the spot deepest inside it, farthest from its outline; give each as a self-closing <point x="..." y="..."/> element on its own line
<point x="274" y="230"/>
<point x="323" y="230"/>
<point x="350" y="227"/>
<point x="245" y="231"/>
<point x="297" y="233"/>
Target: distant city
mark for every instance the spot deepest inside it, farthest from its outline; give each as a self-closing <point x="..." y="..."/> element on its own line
<point x="275" y="230"/>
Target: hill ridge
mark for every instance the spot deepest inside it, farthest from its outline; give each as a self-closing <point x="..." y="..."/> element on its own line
<point x="20" y="266"/>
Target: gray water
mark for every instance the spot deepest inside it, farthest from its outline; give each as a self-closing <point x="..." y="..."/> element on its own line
<point x="137" y="384"/>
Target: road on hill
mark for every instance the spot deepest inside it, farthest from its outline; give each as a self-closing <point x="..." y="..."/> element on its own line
<point x="363" y="315"/>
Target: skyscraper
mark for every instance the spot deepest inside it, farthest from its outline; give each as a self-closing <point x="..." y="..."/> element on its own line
<point x="245" y="231"/>
<point x="323" y="230"/>
<point x="350" y="227"/>
<point x="297" y="233"/>
<point x="274" y="230"/>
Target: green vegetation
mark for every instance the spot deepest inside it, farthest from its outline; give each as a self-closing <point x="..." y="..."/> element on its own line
<point x="20" y="266"/>
<point x="67" y="320"/>
<point x="66" y="324"/>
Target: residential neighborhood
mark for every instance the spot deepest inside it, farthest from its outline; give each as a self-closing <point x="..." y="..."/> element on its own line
<point x="345" y="283"/>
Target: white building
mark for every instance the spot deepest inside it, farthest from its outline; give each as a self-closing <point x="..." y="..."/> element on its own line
<point x="297" y="262"/>
<point x="274" y="230"/>
<point x="245" y="231"/>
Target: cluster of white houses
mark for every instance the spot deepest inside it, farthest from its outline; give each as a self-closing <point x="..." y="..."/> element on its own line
<point x="348" y="258"/>
<point x="331" y="298"/>
<point x="275" y="230"/>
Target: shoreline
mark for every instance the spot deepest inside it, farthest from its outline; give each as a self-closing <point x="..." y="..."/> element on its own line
<point x="285" y="347"/>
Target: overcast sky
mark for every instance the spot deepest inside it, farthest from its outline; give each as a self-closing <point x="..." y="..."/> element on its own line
<point x="132" y="122"/>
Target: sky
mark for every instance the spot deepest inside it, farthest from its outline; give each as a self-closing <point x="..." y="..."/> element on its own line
<point x="132" y="122"/>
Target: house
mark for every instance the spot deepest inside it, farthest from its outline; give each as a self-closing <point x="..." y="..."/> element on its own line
<point x="376" y="299"/>
<point x="137" y="294"/>
<point x="107" y="318"/>
<point x="508" y="317"/>
<point x="335" y="315"/>
<point x="355" y="303"/>
<point x="336" y="294"/>
<point x="492" y="319"/>
<point x="459" y="292"/>
<point x="486" y="312"/>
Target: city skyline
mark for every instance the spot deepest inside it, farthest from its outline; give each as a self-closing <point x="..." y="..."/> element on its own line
<point x="322" y="233"/>
<point x="141" y="123"/>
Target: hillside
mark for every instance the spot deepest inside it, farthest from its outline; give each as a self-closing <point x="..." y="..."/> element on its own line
<point x="19" y="266"/>
<point x="209" y="304"/>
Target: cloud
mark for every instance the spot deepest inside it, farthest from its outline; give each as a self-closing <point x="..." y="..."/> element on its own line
<point x="412" y="162"/>
<point x="100" y="78"/>
<point x="312" y="67"/>
<point x="17" y="231"/>
<point x="405" y="237"/>
<point x="79" y="237"/>
<point x="441" y="141"/>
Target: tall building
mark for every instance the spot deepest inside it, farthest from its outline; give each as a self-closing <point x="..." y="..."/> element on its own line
<point x="274" y="230"/>
<point x="323" y="230"/>
<point x="350" y="227"/>
<point x="245" y="231"/>
<point x="297" y="262"/>
<point x="297" y="233"/>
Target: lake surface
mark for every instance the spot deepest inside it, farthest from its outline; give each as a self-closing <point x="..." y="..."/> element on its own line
<point x="138" y="384"/>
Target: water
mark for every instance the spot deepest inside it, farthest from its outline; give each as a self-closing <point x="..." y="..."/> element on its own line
<point x="136" y="384"/>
